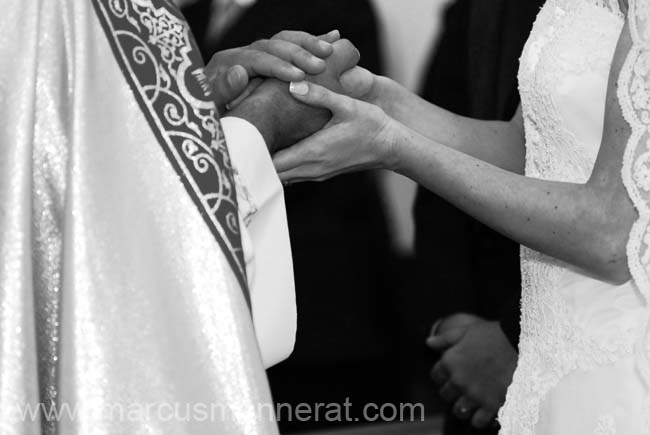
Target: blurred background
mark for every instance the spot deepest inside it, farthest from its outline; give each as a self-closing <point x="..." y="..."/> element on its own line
<point x="359" y="338"/>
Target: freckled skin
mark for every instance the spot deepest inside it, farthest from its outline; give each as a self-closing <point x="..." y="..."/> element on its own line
<point x="479" y="166"/>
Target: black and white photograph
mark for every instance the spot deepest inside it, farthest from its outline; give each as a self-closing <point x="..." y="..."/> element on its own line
<point x="325" y="217"/>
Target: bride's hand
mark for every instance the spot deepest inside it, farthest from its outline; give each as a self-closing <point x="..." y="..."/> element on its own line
<point x="288" y="56"/>
<point x="359" y="136"/>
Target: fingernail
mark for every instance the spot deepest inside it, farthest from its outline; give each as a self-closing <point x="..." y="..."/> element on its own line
<point x="334" y="33"/>
<point x="299" y="88"/>
<point x="297" y="71"/>
<point x="233" y="77"/>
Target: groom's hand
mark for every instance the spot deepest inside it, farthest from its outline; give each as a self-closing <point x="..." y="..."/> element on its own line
<point x="475" y="368"/>
<point x="280" y="118"/>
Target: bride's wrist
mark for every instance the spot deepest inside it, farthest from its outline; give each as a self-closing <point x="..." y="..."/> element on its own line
<point x="392" y="137"/>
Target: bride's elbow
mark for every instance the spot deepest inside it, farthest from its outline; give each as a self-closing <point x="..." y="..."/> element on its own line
<point x="611" y="260"/>
<point x="611" y="218"/>
<point x="617" y="273"/>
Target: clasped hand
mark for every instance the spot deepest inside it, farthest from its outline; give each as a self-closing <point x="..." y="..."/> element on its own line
<point x="287" y="56"/>
<point x="475" y="367"/>
<point x="332" y="128"/>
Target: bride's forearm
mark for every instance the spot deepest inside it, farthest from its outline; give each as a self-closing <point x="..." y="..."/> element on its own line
<point x="496" y="142"/>
<point x="586" y="225"/>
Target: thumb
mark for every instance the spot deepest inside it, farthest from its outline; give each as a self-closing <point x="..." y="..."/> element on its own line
<point x="319" y="96"/>
<point x="230" y="85"/>
<point x="445" y="339"/>
<point x="357" y="82"/>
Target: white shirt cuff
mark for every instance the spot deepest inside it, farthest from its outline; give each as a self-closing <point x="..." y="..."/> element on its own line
<point x="267" y="247"/>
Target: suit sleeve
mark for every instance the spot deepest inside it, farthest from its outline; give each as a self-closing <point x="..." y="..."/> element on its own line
<point x="265" y="240"/>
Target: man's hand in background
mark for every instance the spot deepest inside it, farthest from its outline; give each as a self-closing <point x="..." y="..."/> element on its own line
<point x="475" y="368"/>
<point x="280" y="118"/>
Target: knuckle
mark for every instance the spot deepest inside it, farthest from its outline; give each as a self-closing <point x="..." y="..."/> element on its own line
<point x="281" y="35"/>
<point x="345" y="43"/>
<point x="449" y="393"/>
<point x="256" y="55"/>
<point x="287" y="35"/>
<point x="298" y="35"/>
<point x="259" y="44"/>
<point x="436" y="373"/>
<point x="375" y="112"/>
<point x="320" y="154"/>
<point x="490" y="408"/>
<point x="481" y="419"/>
<point x="348" y="104"/>
<point x="298" y="52"/>
<point x="458" y="378"/>
<point x="311" y="154"/>
<point x="448" y="359"/>
<point x="473" y="392"/>
<point x="278" y="44"/>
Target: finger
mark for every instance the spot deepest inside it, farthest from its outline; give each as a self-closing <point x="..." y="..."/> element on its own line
<point x="482" y="418"/>
<point x="315" y="45"/>
<point x="315" y="173"/>
<point x="345" y="56"/>
<point x="449" y="393"/>
<point x="295" y="176"/>
<point x="331" y="37"/>
<point x="439" y="374"/>
<point x="289" y="160"/>
<point x="464" y="408"/>
<point x="291" y="178"/>
<point x="259" y="63"/>
<point x="319" y="96"/>
<point x="445" y="339"/>
<point x="292" y="53"/>
<point x="302" y="173"/>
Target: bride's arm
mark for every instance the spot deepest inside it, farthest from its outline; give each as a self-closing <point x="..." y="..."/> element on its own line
<point x="497" y="142"/>
<point x="583" y="224"/>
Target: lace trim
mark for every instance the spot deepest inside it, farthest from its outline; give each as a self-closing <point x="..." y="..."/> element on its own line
<point x="606" y="425"/>
<point x="552" y="345"/>
<point x="558" y="17"/>
<point x="634" y="98"/>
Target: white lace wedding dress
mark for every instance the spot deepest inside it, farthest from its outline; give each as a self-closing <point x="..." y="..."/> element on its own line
<point x="583" y="354"/>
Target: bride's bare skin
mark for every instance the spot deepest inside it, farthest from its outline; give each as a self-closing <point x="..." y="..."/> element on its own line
<point x="477" y="166"/>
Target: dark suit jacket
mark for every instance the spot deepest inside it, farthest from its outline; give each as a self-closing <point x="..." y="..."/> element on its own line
<point x="477" y="61"/>
<point x="463" y="266"/>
